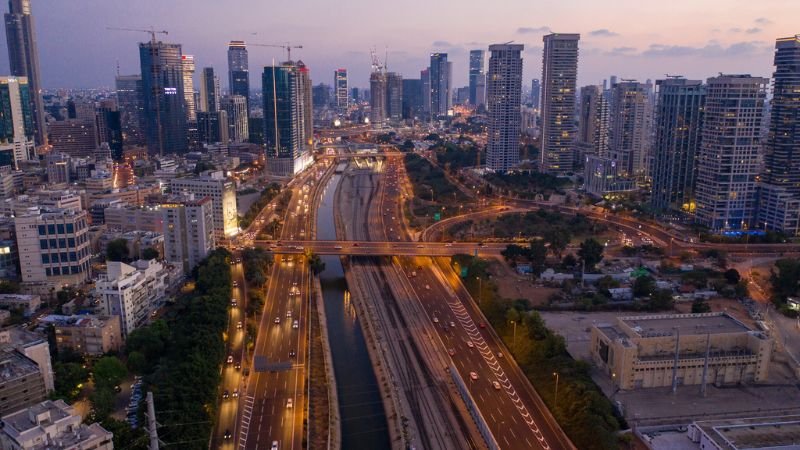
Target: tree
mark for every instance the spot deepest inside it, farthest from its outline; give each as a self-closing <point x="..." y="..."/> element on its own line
<point x="103" y="402"/>
<point x="700" y="306"/>
<point x="8" y="287"/>
<point x="149" y="253"/>
<point x="117" y="250"/>
<point x="255" y="303"/>
<point x="202" y="166"/>
<point x="316" y="264"/>
<point x="661" y="300"/>
<point x="537" y="256"/>
<point x="644" y="286"/>
<point x="558" y="238"/>
<point x="606" y="283"/>
<point x="67" y="378"/>
<point x="732" y="276"/>
<point x="137" y="362"/>
<point x="514" y="252"/>
<point x="591" y="253"/>
<point x="785" y="279"/>
<point x="109" y="371"/>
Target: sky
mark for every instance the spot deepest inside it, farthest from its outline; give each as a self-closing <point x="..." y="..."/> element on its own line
<point x="636" y="39"/>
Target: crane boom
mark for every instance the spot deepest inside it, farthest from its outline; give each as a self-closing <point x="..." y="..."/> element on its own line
<point x="152" y="31"/>
<point x="286" y="46"/>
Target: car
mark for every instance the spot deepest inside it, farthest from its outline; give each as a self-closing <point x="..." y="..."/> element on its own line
<point x="274" y="445"/>
<point x="451" y="352"/>
<point x="239" y="325"/>
<point x="230" y="359"/>
<point x="428" y="287"/>
<point x="235" y="393"/>
<point x="470" y="344"/>
<point x="225" y="394"/>
<point x="289" y="314"/>
<point x="482" y="325"/>
<point x="496" y="385"/>
<point x="435" y="320"/>
<point x="473" y="376"/>
<point x="499" y="354"/>
<point x="338" y="247"/>
<point x="235" y="283"/>
<point x="452" y="324"/>
<point x="238" y="365"/>
<point x="419" y="246"/>
<point x="296" y="324"/>
<point x="277" y="320"/>
<point x="289" y="403"/>
<point x="233" y="302"/>
<point x="448" y="245"/>
<point x="355" y="244"/>
<point x="291" y="354"/>
<point x="227" y="434"/>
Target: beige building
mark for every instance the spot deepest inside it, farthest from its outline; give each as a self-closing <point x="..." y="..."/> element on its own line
<point x="131" y="218"/>
<point x="133" y="292"/>
<point x="21" y="383"/>
<point x="221" y="191"/>
<point x="188" y="231"/>
<point x="753" y="433"/>
<point x="34" y="346"/>
<point x="640" y="352"/>
<point x="93" y="335"/>
<point x="28" y="304"/>
<point x="52" y="425"/>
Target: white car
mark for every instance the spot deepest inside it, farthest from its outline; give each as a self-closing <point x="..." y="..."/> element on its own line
<point x="289" y="403"/>
<point x="239" y="325"/>
<point x="473" y="375"/>
<point x="289" y="314"/>
<point x="277" y="320"/>
<point x="296" y="324"/>
<point x="496" y="385"/>
<point x="274" y="445"/>
<point x="470" y="344"/>
<point x="435" y="320"/>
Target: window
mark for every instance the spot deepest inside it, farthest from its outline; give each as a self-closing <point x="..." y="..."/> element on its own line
<point x="70" y="228"/>
<point x="64" y="257"/>
<point x="51" y="229"/>
<point x="45" y="258"/>
<point x="75" y="269"/>
<point x="71" y="242"/>
<point x="43" y="244"/>
<point x="42" y="230"/>
<point x="62" y="243"/>
<point x="53" y="243"/>
<point x="60" y="228"/>
<point x="56" y="271"/>
<point x="47" y="272"/>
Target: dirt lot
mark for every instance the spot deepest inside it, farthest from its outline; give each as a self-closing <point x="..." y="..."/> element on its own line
<point x="512" y="285"/>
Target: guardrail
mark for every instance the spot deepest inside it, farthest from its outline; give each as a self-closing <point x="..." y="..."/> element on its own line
<point x="483" y="427"/>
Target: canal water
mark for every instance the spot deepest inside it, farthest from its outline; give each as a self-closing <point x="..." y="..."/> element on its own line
<point x="363" y="419"/>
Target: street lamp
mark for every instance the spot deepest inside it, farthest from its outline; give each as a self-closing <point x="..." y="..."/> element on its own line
<point x="480" y="290"/>
<point x="555" y="403"/>
<point x="514" y="338"/>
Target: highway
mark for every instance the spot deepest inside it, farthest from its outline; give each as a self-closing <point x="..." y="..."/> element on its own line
<point x="274" y="403"/>
<point x="380" y="248"/>
<point x="513" y="411"/>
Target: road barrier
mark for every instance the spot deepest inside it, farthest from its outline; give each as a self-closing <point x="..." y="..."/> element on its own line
<point x="483" y="427"/>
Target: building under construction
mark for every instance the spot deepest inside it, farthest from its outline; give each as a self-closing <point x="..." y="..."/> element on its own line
<point x="680" y="349"/>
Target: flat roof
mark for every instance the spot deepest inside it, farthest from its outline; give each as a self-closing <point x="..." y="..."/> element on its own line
<point x="666" y="325"/>
<point x="757" y="432"/>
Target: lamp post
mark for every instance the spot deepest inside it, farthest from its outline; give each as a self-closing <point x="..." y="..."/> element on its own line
<point x="514" y="337"/>
<point x="480" y="290"/>
<point x="555" y="403"/>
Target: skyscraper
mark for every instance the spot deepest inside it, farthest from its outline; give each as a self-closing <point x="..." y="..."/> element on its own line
<point x="728" y="160"/>
<point x="340" y="88"/>
<point x="678" y="125"/>
<point x="284" y="117"/>
<point x="23" y="59"/>
<point x="536" y="93"/>
<point x="188" y="87"/>
<point x="593" y="121"/>
<point x="236" y="108"/>
<point x="412" y="99"/>
<point x="504" y="92"/>
<point x="238" y="71"/>
<point x="130" y="98"/>
<point x="16" y="122"/>
<point x="559" y="78"/>
<point x="779" y="205"/>
<point x="164" y="102"/>
<point x="308" y="108"/>
<point x="628" y="133"/>
<point x="475" y="75"/>
<point x="394" y="96"/>
<point x="425" y="79"/>
<point x="377" y="98"/>
<point x="441" y="80"/>
<point x="209" y="90"/>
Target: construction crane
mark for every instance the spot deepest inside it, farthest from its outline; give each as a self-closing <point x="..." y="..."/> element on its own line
<point x="377" y="66"/>
<point x="286" y="46"/>
<point x="152" y="32"/>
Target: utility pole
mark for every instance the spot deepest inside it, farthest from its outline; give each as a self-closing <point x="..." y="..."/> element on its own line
<point x="675" y="364"/>
<point x="151" y="422"/>
<point x="705" y="365"/>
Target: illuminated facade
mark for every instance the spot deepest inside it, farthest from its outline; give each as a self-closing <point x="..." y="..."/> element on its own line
<point x="221" y="191"/>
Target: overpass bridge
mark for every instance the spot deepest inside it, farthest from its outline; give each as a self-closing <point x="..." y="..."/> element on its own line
<point x="378" y="248"/>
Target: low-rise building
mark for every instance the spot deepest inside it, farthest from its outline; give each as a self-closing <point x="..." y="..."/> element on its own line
<point x="52" y="425"/>
<point x="34" y="346"/>
<point x="21" y="383"/>
<point x="89" y="334"/>
<point x="188" y="231"/>
<point x="766" y="433"/>
<point x="122" y="217"/>
<point x="28" y="304"/>
<point x="221" y="190"/>
<point x="133" y="292"/>
<point x="640" y="351"/>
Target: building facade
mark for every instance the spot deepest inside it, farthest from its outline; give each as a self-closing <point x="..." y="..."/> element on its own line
<point x="188" y="231"/>
<point x="377" y="98"/>
<point x="678" y="124"/>
<point x="132" y="292"/>
<point x="730" y="152"/>
<point x="504" y="100"/>
<point x="74" y="137"/>
<point x="593" y="121"/>
<point x="52" y="425"/>
<point x="187" y="62"/>
<point x="236" y="108"/>
<point x="222" y="191"/>
<point x="88" y="334"/>
<point x="285" y="115"/>
<point x="536" y="93"/>
<point x="239" y="72"/>
<point x="130" y="99"/>
<point x="441" y="80"/>
<point x="394" y="96"/>
<point x="476" y="76"/>
<point x="340" y="90"/>
<point x="412" y="99"/>
<point x="16" y="123"/>
<point x="209" y="90"/>
<point x="21" y="382"/>
<point x="164" y="101"/>
<point x="559" y="79"/>
<point x="628" y="137"/>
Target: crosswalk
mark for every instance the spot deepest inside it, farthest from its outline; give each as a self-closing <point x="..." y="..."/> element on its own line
<point x="246" y="415"/>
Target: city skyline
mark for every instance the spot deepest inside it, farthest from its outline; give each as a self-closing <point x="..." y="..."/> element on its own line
<point x="696" y="41"/>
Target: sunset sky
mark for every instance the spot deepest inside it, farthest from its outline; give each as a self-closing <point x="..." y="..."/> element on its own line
<point x="628" y="38"/>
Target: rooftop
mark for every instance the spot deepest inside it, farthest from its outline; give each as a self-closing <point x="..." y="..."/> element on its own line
<point x="758" y="432"/>
<point x="15" y="365"/>
<point x="688" y="324"/>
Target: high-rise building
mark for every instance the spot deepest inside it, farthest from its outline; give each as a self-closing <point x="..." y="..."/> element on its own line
<point x="109" y="127"/>
<point x="340" y="89"/>
<point x="188" y="231"/>
<point x="212" y="127"/>
<point x="425" y="79"/>
<point x="728" y="160"/>
<point x="476" y="75"/>
<point x="23" y="59"/>
<point x="164" y="102"/>
<point x="559" y="79"/>
<point x="377" y="98"/>
<point x="188" y="87"/>
<point x="412" y="99"/>
<point x="238" y="71"/>
<point x="209" y="90"/>
<point x="504" y="96"/>
<point x="75" y="137"/>
<point x="130" y="99"/>
<point x="593" y="121"/>
<point x="441" y="81"/>
<point x="285" y="102"/>
<point x="394" y="96"/>
<point x="236" y="108"/>
<point x="16" y="122"/>
<point x="678" y="125"/>
<point x="308" y="108"/>
<point x="321" y="96"/>
<point x="779" y="203"/>
<point x="132" y="292"/>
<point x="536" y="93"/>
<point x="628" y="129"/>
